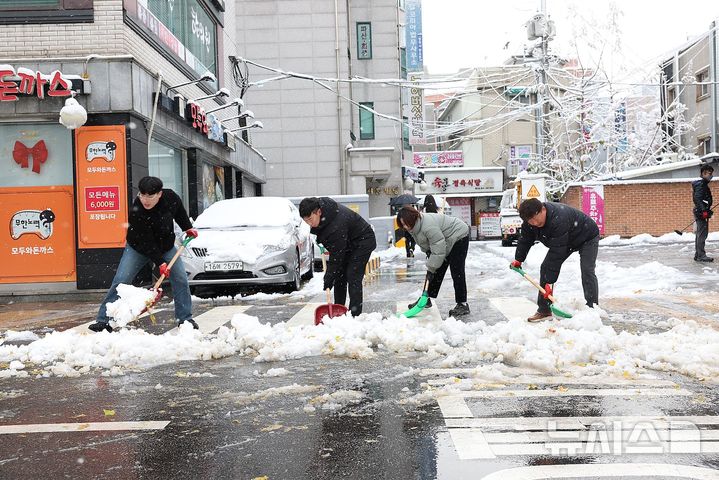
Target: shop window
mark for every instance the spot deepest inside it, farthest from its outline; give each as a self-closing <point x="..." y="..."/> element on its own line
<point x="366" y="118"/>
<point x="213" y="185"/>
<point x="165" y="162"/>
<point x="35" y="155"/>
<point x="405" y="134"/>
<point x="45" y="11"/>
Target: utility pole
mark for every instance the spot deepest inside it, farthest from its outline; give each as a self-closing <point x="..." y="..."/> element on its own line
<point x="540" y="27"/>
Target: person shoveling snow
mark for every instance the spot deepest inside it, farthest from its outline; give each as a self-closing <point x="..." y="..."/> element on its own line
<point x="151" y="238"/>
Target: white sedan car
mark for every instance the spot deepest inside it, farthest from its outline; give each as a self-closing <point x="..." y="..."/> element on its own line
<point x="248" y="243"/>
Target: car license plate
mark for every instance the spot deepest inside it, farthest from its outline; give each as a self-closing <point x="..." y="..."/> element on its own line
<point x="222" y="266"/>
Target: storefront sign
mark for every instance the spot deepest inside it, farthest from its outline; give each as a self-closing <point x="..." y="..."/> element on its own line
<point x="364" y="40"/>
<point x="449" y="158"/>
<point x="40" y="243"/>
<point x="463" y="180"/>
<point x="413" y="35"/>
<point x="102" y="186"/>
<point x="392" y="190"/>
<point x="489" y="224"/>
<point x="593" y="204"/>
<point x="461" y="208"/>
<point x="416" y="112"/>
<point x="29" y="82"/>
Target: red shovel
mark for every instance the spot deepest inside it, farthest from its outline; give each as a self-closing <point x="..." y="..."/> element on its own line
<point x="331" y="310"/>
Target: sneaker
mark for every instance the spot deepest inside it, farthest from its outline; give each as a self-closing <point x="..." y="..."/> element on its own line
<point x="703" y="259"/>
<point x="191" y="322"/>
<point x="460" y="310"/>
<point x="429" y="304"/>
<point x="540" y="317"/>
<point x="100" y="326"/>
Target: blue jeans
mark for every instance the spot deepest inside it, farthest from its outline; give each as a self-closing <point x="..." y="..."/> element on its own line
<point x="131" y="263"/>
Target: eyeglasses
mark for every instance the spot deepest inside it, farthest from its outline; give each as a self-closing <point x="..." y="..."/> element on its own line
<point x="148" y="195"/>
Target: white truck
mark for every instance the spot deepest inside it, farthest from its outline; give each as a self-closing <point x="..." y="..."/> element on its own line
<point x="526" y="185"/>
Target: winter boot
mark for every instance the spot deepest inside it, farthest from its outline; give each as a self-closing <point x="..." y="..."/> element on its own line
<point x="540" y="317"/>
<point x="703" y="259"/>
<point x="429" y="304"/>
<point x="460" y="310"/>
<point x="191" y="322"/>
<point x="100" y="326"/>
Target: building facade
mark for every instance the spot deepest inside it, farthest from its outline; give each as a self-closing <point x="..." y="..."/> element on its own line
<point x="323" y="137"/>
<point x="66" y="193"/>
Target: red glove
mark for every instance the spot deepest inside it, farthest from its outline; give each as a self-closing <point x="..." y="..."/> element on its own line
<point x="516" y="264"/>
<point x="165" y="270"/>
<point x="158" y="295"/>
<point x="705" y="215"/>
<point x="191" y="232"/>
<point x="547" y="291"/>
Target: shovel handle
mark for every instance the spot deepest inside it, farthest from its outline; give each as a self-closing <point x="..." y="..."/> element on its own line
<point x="533" y="282"/>
<point x="179" y="251"/>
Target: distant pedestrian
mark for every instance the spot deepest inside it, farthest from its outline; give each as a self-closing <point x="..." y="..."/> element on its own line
<point x="409" y="243"/>
<point x="430" y="205"/>
<point x="563" y="230"/>
<point x="703" y="202"/>
<point x="448" y="239"/>
<point x="151" y="238"/>
<point x="350" y="241"/>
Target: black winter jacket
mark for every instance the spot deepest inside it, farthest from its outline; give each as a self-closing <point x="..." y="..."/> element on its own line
<point x="341" y="231"/>
<point x="151" y="232"/>
<point x="565" y="231"/>
<point x="702" y="197"/>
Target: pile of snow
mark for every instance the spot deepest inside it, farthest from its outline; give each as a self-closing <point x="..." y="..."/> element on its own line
<point x="14" y="336"/>
<point x="645" y="238"/>
<point x="582" y="345"/>
<point x="133" y="300"/>
<point x="391" y="253"/>
<point x="335" y="400"/>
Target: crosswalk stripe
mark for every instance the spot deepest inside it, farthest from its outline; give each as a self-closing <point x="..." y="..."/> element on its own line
<point x="555" y="380"/>
<point x="83" y="427"/>
<point x="579" y="448"/>
<point x="429" y="315"/>
<point x="453" y="406"/>
<point x="674" y="435"/>
<point x="616" y="470"/>
<point x="579" y="392"/>
<point x="305" y="316"/>
<point x="214" y="318"/>
<point x="578" y="423"/>
<point x="514" y="308"/>
<point x="470" y="444"/>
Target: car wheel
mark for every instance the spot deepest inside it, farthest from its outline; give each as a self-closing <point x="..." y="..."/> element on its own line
<point x="311" y="272"/>
<point x="295" y="285"/>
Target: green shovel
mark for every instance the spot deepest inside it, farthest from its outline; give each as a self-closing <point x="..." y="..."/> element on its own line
<point x="421" y="303"/>
<point x="555" y="310"/>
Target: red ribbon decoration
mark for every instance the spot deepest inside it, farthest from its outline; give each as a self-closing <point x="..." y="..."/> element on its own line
<point x="22" y="154"/>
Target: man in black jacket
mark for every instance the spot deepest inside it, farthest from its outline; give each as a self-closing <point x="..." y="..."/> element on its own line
<point x="350" y="241"/>
<point x="563" y="230"/>
<point x="151" y="237"/>
<point x="702" y="195"/>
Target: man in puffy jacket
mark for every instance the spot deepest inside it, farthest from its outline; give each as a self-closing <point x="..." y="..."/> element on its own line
<point x="563" y="230"/>
<point x="702" y="195"/>
<point x="349" y="239"/>
<point x="448" y="239"/>
<point x="151" y="237"/>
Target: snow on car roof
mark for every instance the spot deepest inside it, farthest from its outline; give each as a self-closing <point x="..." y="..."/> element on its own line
<point x="248" y="211"/>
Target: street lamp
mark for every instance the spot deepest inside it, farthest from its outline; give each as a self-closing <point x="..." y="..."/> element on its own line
<point x="221" y="93"/>
<point x="237" y="102"/>
<point x="245" y="114"/>
<point x="256" y="124"/>
<point x="206" y="77"/>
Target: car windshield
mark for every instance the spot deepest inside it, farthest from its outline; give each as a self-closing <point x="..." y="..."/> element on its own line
<point x="248" y="212"/>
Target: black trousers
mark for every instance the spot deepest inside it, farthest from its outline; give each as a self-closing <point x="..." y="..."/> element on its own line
<point x="587" y="263"/>
<point x="702" y="230"/>
<point x="350" y="277"/>
<point x="455" y="262"/>
<point x="409" y="243"/>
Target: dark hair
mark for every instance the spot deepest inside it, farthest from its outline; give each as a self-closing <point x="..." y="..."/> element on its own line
<point x="705" y="168"/>
<point x="149" y="185"/>
<point x="430" y="204"/>
<point x="309" y="205"/>
<point x="408" y="215"/>
<point x="529" y="208"/>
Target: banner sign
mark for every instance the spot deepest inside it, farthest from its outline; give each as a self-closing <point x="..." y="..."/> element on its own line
<point x="413" y="35"/>
<point x="593" y="204"/>
<point x="364" y="40"/>
<point x="449" y="158"/>
<point x="489" y="224"/>
<point x="416" y="112"/>
<point x="102" y="200"/>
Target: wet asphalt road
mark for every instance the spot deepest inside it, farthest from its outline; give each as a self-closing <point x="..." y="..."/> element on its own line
<point x="240" y="423"/>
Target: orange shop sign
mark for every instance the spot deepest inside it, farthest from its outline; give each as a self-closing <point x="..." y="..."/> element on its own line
<point x="100" y="162"/>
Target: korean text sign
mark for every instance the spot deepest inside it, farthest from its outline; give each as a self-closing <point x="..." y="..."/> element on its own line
<point x="593" y="204"/>
<point x="100" y="163"/>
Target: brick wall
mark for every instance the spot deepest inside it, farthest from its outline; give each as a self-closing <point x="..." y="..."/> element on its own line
<point x="654" y="208"/>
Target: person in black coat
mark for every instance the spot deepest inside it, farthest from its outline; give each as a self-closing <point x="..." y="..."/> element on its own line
<point x="151" y="238"/>
<point x="430" y="204"/>
<point x="563" y="230"/>
<point x="349" y="239"/>
<point x="703" y="202"/>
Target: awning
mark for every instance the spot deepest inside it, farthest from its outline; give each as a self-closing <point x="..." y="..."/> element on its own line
<point x="464" y="195"/>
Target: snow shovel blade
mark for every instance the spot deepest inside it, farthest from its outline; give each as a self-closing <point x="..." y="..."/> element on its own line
<point x="421" y="303"/>
<point x="333" y="310"/>
<point x="558" y="312"/>
<point x="555" y="310"/>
